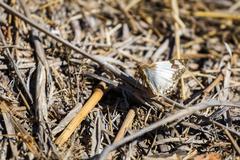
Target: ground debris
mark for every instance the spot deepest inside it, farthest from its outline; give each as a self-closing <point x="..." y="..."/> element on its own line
<point x="52" y="65"/>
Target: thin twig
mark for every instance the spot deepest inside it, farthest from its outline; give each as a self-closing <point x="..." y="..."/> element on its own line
<point x="178" y="22"/>
<point x="234" y="143"/>
<point x="21" y="132"/>
<point x="40" y="101"/>
<point x="100" y="61"/>
<point x="15" y="67"/>
<point x="125" y="126"/>
<point x="215" y="14"/>
<point x="180" y="114"/>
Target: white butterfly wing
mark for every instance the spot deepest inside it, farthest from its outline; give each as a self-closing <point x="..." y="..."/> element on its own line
<point x="163" y="77"/>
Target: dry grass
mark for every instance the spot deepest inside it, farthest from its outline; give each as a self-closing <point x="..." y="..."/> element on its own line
<point x="53" y="58"/>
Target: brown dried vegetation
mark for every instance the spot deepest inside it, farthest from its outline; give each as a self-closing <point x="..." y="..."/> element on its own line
<point x="70" y="86"/>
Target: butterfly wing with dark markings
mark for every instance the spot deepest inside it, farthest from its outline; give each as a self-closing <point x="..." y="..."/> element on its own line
<point x="162" y="77"/>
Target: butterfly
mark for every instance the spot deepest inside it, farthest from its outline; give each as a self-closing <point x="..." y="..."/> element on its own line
<point x="162" y="77"/>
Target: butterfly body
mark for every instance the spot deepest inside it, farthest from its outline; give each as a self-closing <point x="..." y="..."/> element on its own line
<point x="162" y="77"/>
